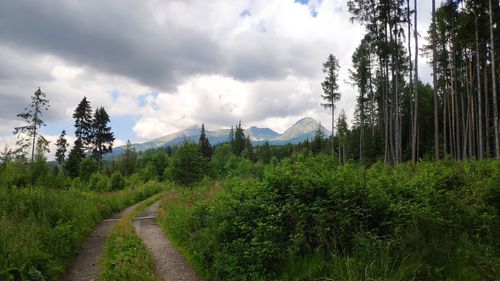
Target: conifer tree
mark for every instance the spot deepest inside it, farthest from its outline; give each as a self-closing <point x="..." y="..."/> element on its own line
<point x="29" y="135"/>
<point x="128" y="160"/>
<point x="75" y="156"/>
<point x="331" y="88"/>
<point x="204" y="143"/>
<point x="84" y="124"/>
<point x="103" y="138"/>
<point x="239" y="140"/>
<point x="62" y="147"/>
<point x="319" y="139"/>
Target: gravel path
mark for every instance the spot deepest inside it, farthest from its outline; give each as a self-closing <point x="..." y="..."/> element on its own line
<point x="87" y="264"/>
<point x="170" y="264"/>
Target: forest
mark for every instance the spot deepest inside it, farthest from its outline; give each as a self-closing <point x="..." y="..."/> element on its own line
<point x="409" y="191"/>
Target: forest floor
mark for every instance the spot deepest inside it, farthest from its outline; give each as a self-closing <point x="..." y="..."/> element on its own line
<point x="170" y="264"/>
<point x="87" y="264"/>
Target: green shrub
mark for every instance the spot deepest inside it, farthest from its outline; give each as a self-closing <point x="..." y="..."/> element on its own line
<point x="117" y="181"/>
<point x="429" y="221"/>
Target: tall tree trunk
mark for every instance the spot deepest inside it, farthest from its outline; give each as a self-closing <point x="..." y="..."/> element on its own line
<point x="494" y="83"/>
<point x="479" y="109"/>
<point x="486" y="108"/>
<point x="410" y="63"/>
<point x="333" y="127"/>
<point x="414" y="155"/>
<point x="434" y="80"/>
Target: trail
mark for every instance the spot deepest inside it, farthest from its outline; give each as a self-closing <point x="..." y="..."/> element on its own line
<point x="170" y="264"/>
<point x="87" y="265"/>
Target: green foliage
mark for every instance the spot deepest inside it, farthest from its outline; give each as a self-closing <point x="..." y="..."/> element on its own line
<point x="72" y="165"/>
<point x="102" y="137"/>
<point x="188" y="164"/>
<point x="204" y="144"/>
<point x="117" y="181"/>
<point x="41" y="229"/>
<point x="310" y="219"/>
<point x="99" y="182"/>
<point x="128" y="161"/>
<point x="88" y="166"/>
<point x="29" y="135"/>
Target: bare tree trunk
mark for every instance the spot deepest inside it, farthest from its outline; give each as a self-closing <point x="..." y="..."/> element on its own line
<point x="410" y="63"/>
<point x="414" y="155"/>
<point x="486" y="109"/>
<point x="494" y="83"/>
<point x="434" y="78"/>
<point x="479" y="110"/>
<point x="333" y="126"/>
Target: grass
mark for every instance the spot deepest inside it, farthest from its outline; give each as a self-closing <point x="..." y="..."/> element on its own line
<point x="126" y="257"/>
<point x="41" y="230"/>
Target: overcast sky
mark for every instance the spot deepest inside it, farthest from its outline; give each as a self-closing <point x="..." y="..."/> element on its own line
<point x="161" y="66"/>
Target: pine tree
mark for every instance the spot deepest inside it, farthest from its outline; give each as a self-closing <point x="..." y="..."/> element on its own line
<point x="342" y="136"/>
<point x="248" y="151"/>
<point x="62" y="147"/>
<point x="30" y="133"/>
<point x="319" y="139"/>
<point x="128" y="159"/>
<point x="103" y="138"/>
<point x="204" y="143"/>
<point x="331" y="88"/>
<point x="84" y="124"/>
<point x="75" y="156"/>
<point x="239" y="140"/>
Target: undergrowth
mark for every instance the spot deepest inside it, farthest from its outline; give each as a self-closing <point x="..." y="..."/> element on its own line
<point x="41" y="229"/>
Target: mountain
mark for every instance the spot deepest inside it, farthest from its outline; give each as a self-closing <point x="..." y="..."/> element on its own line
<point x="302" y="130"/>
<point x="261" y="134"/>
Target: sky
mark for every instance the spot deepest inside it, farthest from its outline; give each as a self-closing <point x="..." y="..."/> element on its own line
<point x="161" y="66"/>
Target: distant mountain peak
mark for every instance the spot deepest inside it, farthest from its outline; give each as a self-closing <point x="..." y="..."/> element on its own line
<point x="302" y="130"/>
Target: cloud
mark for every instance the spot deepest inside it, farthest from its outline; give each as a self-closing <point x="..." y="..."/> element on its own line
<point x="171" y="64"/>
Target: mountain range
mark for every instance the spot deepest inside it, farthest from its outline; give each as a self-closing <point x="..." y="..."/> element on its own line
<point x="302" y="130"/>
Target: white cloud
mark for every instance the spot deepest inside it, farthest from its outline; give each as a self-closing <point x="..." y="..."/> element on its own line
<point x="175" y="63"/>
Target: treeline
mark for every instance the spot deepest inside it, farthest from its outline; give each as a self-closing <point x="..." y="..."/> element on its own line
<point x="398" y="118"/>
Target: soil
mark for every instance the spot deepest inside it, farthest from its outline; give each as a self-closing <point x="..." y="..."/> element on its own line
<point x="170" y="264"/>
<point x="87" y="264"/>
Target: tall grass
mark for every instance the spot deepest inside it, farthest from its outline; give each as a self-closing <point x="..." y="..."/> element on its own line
<point x="42" y="229"/>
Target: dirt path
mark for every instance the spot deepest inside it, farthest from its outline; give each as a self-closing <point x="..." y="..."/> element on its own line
<point x="170" y="264"/>
<point x="87" y="265"/>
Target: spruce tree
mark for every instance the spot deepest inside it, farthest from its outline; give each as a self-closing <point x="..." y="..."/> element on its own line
<point x="319" y="139"/>
<point x="62" y="147"/>
<point x="204" y="143"/>
<point x="29" y="135"/>
<point x="239" y="140"/>
<point x="84" y="124"/>
<point x="72" y="164"/>
<point x="128" y="160"/>
<point x="331" y="88"/>
<point x="103" y="138"/>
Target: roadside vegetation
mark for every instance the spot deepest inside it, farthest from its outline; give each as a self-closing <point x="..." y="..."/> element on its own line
<point x="42" y="229"/>
<point x="126" y="257"/>
<point x="308" y="218"/>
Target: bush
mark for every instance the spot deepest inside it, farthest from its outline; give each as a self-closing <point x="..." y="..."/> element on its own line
<point x="426" y="222"/>
<point x="188" y="164"/>
<point x="117" y="181"/>
<point x="99" y="182"/>
<point x="88" y="167"/>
